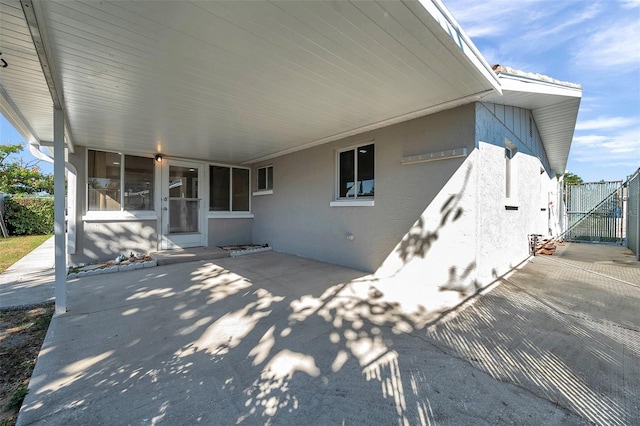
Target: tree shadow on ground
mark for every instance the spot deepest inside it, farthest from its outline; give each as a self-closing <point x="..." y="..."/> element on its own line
<point x="212" y="344"/>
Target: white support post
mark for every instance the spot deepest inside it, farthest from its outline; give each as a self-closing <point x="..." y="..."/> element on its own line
<point x="58" y="210"/>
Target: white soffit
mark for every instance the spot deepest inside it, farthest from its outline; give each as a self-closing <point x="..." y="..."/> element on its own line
<point x="240" y="81"/>
<point x="554" y="106"/>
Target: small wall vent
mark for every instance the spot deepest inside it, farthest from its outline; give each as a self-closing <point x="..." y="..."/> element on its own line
<point x="530" y="127"/>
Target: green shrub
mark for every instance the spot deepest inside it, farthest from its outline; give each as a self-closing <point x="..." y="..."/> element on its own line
<point x="29" y="216"/>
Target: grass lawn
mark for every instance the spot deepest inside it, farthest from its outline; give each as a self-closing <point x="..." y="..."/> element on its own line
<point x="13" y="249"/>
<point x="21" y="334"/>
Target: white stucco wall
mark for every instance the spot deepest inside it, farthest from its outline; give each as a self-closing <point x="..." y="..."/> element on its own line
<point x="502" y="232"/>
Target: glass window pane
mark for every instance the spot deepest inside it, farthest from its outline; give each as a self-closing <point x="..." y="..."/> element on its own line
<point x="138" y="183"/>
<point x="103" y="180"/>
<point x="183" y="182"/>
<point x="240" y="190"/>
<point x="270" y="177"/>
<point x="265" y="178"/>
<point x="346" y="176"/>
<point x="366" y="159"/>
<point x="183" y="215"/>
<point x="262" y="178"/>
<point x="219" y="179"/>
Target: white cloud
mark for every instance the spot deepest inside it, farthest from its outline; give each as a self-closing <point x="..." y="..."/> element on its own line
<point x="604" y="35"/>
<point x="589" y="140"/>
<point x="612" y="45"/>
<point x="490" y="17"/>
<point x="553" y="29"/>
<point x="605" y="123"/>
<point x="621" y="149"/>
<point x="631" y="4"/>
<point x="525" y="29"/>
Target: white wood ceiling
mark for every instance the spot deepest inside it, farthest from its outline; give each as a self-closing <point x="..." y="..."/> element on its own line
<point x="235" y="81"/>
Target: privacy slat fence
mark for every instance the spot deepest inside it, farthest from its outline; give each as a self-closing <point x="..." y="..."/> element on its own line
<point x="633" y="213"/>
<point x="594" y="212"/>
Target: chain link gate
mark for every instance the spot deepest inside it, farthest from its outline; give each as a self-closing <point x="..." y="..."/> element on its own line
<point x="594" y="212"/>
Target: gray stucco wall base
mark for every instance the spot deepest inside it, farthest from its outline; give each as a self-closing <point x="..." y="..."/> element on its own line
<point x="229" y="231"/>
<point x="297" y="217"/>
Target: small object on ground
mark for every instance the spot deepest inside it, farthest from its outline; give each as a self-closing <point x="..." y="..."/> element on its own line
<point x="548" y="248"/>
<point x="119" y="262"/>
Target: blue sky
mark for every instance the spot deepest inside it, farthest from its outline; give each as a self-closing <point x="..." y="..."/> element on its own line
<point x="593" y="43"/>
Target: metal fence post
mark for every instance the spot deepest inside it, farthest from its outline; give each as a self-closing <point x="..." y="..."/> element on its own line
<point x="637" y="217"/>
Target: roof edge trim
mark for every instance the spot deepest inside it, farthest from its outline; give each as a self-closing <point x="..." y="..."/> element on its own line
<point x="449" y="24"/>
<point x="508" y="72"/>
<point x="33" y="17"/>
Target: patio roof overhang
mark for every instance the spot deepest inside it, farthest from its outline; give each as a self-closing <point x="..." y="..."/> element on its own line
<point x="554" y="105"/>
<point x="230" y="81"/>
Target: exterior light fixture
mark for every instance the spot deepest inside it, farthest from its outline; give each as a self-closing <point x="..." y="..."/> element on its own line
<point x="159" y="158"/>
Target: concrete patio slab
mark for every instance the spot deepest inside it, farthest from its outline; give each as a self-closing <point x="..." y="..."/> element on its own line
<point x="31" y="280"/>
<point x="276" y="339"/>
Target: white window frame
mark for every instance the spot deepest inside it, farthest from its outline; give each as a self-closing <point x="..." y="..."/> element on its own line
<point x="227" y="214"/>
<point x="122" y="214"/>
<point x="268" y="178"/>
<point x="355" y="201"/>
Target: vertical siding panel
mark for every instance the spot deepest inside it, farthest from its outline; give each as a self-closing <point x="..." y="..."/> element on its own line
<point x="516" y="123"/>
<point x="524" y="131"/>
<point x="508" y="117"/>
<point x="500" y="112"/>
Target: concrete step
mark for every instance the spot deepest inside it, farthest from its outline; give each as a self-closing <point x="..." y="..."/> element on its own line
<point x="172" y="257"/>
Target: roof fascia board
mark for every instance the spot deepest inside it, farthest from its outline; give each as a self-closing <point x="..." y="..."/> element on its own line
<point x="394" y="120"/>
<point x="530" y="85"/>
<point x="452" y="28"/>
<point x="37" y="27"/>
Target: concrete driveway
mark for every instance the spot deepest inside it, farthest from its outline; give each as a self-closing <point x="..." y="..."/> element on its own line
<point x="276" y="339"/>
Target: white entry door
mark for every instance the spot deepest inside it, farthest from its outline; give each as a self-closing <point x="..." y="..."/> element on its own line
<point x="183" y="214"/>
